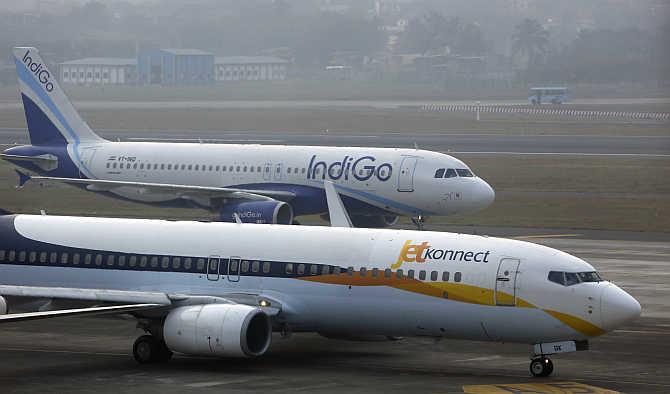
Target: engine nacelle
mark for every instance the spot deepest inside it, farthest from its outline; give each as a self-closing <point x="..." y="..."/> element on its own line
<point x="275" y="212"/>
<point x="379" y="221"/>
<point x="3" y="305"/>
<point x="223" y="330"/>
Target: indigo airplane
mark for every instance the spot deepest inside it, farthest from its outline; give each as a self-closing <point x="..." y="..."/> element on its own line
<point x="221" y="289"/>
<point x="260" y="183"/>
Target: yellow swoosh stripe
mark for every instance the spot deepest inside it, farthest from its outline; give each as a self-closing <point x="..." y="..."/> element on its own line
<point x="452" y="291"/>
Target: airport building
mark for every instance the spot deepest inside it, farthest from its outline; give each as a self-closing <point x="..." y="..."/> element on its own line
<point x="99" y="71"/>
<point x="175" y="67"/>
<point x="250" y="68"/>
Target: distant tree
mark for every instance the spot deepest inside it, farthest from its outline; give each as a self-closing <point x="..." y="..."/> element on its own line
<point x="531" y="40"/>
<point x="471" y="41"/>
<point x="431" y="33"/>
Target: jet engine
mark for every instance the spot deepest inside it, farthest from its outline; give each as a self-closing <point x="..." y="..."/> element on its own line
<point x="223" y="330"/>
<point x="379" y="221"/>
<point x="275" y="212"/>
<point x="3" y="305"/>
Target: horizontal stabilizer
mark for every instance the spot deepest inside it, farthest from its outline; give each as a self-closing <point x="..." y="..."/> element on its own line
<point x="46" y="162"/>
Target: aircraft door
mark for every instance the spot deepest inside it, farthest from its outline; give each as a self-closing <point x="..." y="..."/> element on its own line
<point x="406" y="174"/>
<point x="267" y="172"/>
<point x="506" y="282"/>
<point x="278" y="170"/>
<point x="85" y="160"/>
<point x="234" y="269"/>
<point x="213" y="265"/>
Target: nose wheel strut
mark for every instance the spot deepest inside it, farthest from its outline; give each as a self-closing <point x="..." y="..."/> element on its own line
<point x="418" y="222"/>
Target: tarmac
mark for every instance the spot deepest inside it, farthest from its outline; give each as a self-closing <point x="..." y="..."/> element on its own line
<point x="94" y="354"/>
<point x="481" y="143"/>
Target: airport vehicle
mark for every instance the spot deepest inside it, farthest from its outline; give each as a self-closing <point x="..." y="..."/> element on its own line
<point x="548" y="95"/>
<point x="259" y="183"/>
<point x="220" y="289"/>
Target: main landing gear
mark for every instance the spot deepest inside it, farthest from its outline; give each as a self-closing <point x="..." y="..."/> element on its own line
<point x="541" y="366"/>
<point x="418" y="222"/>
<point x="148" y="349"/>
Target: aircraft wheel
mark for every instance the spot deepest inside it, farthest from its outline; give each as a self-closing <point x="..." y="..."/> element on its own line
<point x="541" y="367"/>
<point x="147" y="349"/>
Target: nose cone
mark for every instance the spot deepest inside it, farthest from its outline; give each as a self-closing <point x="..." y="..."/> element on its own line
<point x="617" y="307"/>
<point x="482" y="195"/>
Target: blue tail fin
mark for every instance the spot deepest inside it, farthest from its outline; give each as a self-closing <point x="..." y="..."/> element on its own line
<point x="51" y="118"/>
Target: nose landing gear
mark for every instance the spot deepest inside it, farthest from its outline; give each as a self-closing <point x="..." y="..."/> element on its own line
<point x="541" y="367"/>
<point x="418" y="222"/>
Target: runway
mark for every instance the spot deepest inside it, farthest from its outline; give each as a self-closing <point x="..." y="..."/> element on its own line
<point x="483" y="143"/>
<point x="75" y="355"/>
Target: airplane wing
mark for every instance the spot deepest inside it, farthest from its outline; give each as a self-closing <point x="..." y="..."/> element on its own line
<point x="129" y="301"/>
<point x="178" y="190"/>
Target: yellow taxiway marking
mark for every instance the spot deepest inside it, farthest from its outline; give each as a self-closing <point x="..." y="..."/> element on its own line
<point x="547" y="236"/>
<point x="527" y="388"/>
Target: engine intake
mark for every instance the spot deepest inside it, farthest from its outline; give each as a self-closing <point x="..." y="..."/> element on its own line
<point x="275" y="212"/>
<point x="223" y="330"/>
<point x="379" y="221"/>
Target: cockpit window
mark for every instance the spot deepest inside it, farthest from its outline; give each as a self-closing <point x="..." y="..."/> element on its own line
<point x="464" y="172"/>
<point x="450" y="173"/>
<point x="439" y="173"/>
<point x="572" y="278"/>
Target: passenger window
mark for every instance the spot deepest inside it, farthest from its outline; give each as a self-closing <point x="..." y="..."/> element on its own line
<point x="325" y="270"/>
<point x="200" y="265"/>
<point x="445" y="276"/>
<point x="439" y="173"/>
<point x="176" y="263"/>
<point x="450" y="173"/>
<point x="266" y="267"/>
<point x="2" y="255"/>
<point x="183" y="167"/>
<point x="350" y="271"/>
<point x="245" y="266"/>
<point x="12" y="255"/>
<point x="422" y="275"/>
<point x="162" y="166"/>
<point x="154" y="261"/>
<point x="288" y="170"/>
<point x="197" y="167"/>
<point x="132" y="261"/>
<point x="362" y="271"/>
<point x="107" y="164"/>
<point x="135" y="166"/>
<point x="53" y="257"/>
<point x="457" y="277"/>
<point x="143" y="261"/>
<point x="314" y="269"/>
<point x="289" y="268"/>
<point x="387" y="273"/>
<point x="464" y="172"/>
<point x="218" y="167"/>
<point x="301" y="269"/>
<point x="375" y="272"/>
<point x="255" y="266"/>
<point x="110" y="260"/>
<point x="22" y="256"/>
<point x="122" y="260"/>
<point x="398" y="274"/>
<point x="230" y="169"/>
<point x="64" y="258"/>
<point x="410" y="274"/>
<point x="142" y="166"/>
<point x="169" y="167"/>
<point x="188" y="263"/>
<point x="244" y="169"/>
<point x="258" y="169"/>
<point x="75" y="259"/>
<point x="43" y="257"/>
<point x="87" y="259"/>
<point x="98" y="259"/>
<point x="165" y="262"/>
<point x="32" y="257"/>
<point x="237" y="169"/>
<point x="433" y="276"/>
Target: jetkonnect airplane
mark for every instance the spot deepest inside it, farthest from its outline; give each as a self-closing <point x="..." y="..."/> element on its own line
<point x="220" y="289"/>
<point x="260" y="183"/>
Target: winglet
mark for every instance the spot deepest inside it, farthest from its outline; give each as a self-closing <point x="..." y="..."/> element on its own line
<point x="23" y="178"/>
<point x="336" y="210"/>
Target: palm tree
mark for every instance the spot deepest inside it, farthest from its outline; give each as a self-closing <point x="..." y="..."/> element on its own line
<point x="531" y="40"/>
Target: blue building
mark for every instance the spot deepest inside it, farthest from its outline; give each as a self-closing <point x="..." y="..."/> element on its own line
<point x="175" y="67"/>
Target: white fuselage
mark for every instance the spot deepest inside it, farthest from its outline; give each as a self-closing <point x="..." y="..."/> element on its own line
<point x="329" y="280"/>
<point x="398" y="181"/>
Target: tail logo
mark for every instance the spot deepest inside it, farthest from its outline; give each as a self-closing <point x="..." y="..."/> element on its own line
<point x="41" y="73"/>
